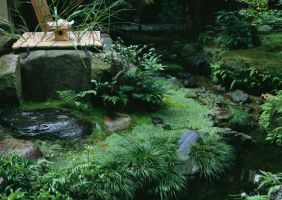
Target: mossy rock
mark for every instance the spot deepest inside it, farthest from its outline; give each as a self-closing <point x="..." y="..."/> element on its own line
<point x="44" y="72"/>
<point x="100" y="68"/>
<point x="255" y="70"/>
<point x="10" y="80"/>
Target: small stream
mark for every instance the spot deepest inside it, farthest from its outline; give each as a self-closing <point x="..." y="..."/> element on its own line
<point x="250" y="159"/>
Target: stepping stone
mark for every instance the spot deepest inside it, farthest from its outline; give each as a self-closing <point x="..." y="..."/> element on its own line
<point x="117" y="122"/>
<point x="22" y="148"/>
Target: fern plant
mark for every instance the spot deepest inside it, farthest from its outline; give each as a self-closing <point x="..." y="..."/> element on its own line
<point x="269" y="183"/>
<point x="70" y="98"/>
<point x="271" y="118"/>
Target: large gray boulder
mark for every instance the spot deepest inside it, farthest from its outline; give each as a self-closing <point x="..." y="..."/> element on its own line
<point x="44" y="72"/>
<point x="10" y="80"/>
<point x="100" y="67"/>
<point x="186" y="142"/>
<point x="45" y="124"/>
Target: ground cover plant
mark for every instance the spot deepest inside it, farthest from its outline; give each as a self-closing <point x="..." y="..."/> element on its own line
<point x="271" y="118"/>
<point x="124" y="165"/>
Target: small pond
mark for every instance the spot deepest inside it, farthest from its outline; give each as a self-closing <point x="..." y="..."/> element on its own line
<point x="250" y="160"/>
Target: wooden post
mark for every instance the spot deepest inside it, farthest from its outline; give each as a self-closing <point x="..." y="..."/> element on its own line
<point x="43" y="13"/>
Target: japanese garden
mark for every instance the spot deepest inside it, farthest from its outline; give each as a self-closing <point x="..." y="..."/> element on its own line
<point x="140" y="99"/>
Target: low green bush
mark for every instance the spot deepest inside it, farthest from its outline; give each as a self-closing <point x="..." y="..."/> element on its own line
<point x="271" y="118"/>
<point x="269" y="183"/>
<point x="212" y="156"/>
<point x="133" y="82"/>
<point x="237" y="31"/>
<point x="143" y="164"/>
<point x="239" y="120"/>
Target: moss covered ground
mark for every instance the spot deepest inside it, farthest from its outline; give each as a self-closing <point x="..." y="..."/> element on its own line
<point x="179" y="111"/>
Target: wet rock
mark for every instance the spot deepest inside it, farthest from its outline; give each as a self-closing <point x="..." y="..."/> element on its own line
<point x="117" y="122"/>
<point x="10" y="80"/>
<point x="208" y="97"/>
<point x="186" y="141"/>
<point x="23" y="148"/>
<point x="44" y="72"/>
<point x="239" y="96"/>
<point x="277" y="194"/>
<point x="221" y="114"/>
<point x="45" y="124"/>
<point x="234" y="137"/>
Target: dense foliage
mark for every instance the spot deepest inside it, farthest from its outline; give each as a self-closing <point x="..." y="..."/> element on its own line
<point x="240" y="119"/>
<point x="242" y="70"/>
<point x="122" y="167"/>
<point x="271" y="118"/>
<point x="269" y="184"/>
<point x="132" y="82"/>
<point x="212" y="156"/>
<point x="236" y="31"/>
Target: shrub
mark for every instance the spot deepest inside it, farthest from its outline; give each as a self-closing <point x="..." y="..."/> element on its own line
<point x="253" y="70"/>
<point x="136" y="165"/>
<point x="134" y="81"/>
<point x="237" y="31"/>
<point x="239" y="119"/>
<point x="269" y="184"/>
<point x="212" y="156"/>
<point x="16" y="173"/>
<point x="72" y="99"/>
<point x="143" y="164"/>
<point x="271" y="118"/>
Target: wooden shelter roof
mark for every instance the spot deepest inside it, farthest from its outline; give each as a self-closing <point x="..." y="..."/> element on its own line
<point x="41" y="40"/>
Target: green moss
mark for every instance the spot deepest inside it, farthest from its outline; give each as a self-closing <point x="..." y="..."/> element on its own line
<point x="272" y="42"/>
<point x="173" y="68"/>
<point x="180" y="112"/>
<point x="183" y="113"/>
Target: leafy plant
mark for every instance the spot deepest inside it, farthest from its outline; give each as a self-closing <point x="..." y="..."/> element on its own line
<point x="72" y="99"/>
<point x="16" y="173"/>
<point x="260" y="13"/>
<point x="134" y="81"/>
<point x="236" y="31"/>
<point x="239" y="119"/>
<point x="212" y="156"/>
<point x="14" y="195"/>
<point x="269" y="183"/>
<point x="271" y="118"/>
<point x="239" y="74"/>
